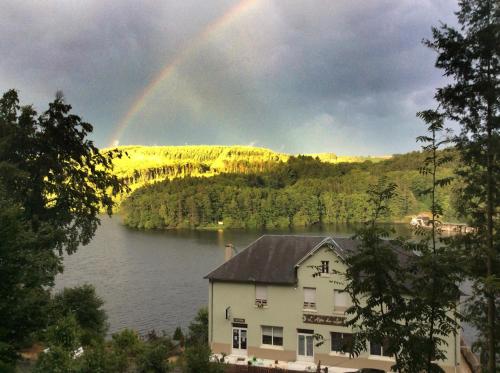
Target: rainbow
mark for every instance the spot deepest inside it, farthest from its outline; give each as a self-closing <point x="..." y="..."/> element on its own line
<point x="230" y="15"/>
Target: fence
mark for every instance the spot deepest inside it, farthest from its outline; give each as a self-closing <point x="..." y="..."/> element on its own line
<point x="230" y="368"/>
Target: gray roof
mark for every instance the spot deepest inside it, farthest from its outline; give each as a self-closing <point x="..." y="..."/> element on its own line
<point x="271" y="259"/>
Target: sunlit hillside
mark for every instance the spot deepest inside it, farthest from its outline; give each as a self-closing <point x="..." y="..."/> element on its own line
<point x="301" y="192"/>
<point x="141" y="165"/>
<point x="334" y="158"/>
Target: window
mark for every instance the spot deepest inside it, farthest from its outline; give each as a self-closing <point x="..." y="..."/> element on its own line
<point x="378" y="349"/>
<point x="341" y="301"/>
<point x="341" y="342"/>
<point x="260" y="295"/>
<point x="325" y="267"/>
<point x="272" y="335"/>
<point x="310" y="298"/>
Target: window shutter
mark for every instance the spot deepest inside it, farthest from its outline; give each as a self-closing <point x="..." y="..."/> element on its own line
<point x="278" y="332"/>
<point x="309" y="295"/>
<point x="267" y="330"/>
<point x="267" y="335"/>
<point x="340" y="300"/>
<point x="261" y="292"/>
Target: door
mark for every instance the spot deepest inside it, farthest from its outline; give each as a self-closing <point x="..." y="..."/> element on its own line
<point x="239" y="341"/>
<point x="305" y="348"/>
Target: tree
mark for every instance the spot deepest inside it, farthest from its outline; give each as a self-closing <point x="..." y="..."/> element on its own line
<point x="86" y="306"/>
<point x="56" y="360"/>
<point x="437" y="271"/>
<point x="198" y="329"/>
<point x="57" y="183"/>
<point x="98" y="358"/>
<point x="197" y="359"/>
<point x="375" y="281"/>
<point x="125" y="345"/>
<point x="62" y="339"/>
<point x="153" y="357"/>
<point x="470" y="55"/>
<point x="20" y="262"/>
<point x="127" y="341"/>
<point x="179" y="336"/>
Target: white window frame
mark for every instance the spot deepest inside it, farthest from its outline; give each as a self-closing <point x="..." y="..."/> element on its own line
<point x="309" y="358"/>
<point x="261" y="295"/>
<point x="272" y="336"/>
<point x="309" y="302"/>
<point x="336" y="308"/>
<point x="238" y="350"/>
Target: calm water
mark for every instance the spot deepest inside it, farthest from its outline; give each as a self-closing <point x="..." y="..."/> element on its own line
<point x="154" y="279"/>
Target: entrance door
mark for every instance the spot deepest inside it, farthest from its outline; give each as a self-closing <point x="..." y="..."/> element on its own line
<point x="305" y="348"/>
<point x="239" y="341"/>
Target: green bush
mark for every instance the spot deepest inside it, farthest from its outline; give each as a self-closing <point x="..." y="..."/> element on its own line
<point x="127" y="341"/>
<point x="56" y="360"/>
<point x="65" y="334"/>
<point x="197" y="359"/>
<point x="153" y="358"/>
<point x="198" y="328"/>
<point x="86" y="306"/>
<point x="179" y="336"/>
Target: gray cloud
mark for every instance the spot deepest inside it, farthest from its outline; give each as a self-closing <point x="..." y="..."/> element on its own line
<point x="298" y="76"/>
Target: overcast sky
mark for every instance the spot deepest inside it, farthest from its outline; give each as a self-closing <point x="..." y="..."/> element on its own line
<point x="343" y="76"/>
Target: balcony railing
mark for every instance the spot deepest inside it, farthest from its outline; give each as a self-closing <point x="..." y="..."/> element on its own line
<point x="261" y="303"/>
<point x="309" y="305"/>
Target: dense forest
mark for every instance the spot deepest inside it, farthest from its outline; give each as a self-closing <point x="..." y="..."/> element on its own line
<point x="298" y="191"/>
<point x="141" y="165"/>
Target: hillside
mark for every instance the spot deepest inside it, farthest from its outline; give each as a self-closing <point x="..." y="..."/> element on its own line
<point x="280" y="192"/>
<point x="146" y="164"/>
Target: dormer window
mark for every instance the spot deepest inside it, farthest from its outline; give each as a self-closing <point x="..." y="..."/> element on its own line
<point x="260" y="295"/>
<point x="325" y="267"/>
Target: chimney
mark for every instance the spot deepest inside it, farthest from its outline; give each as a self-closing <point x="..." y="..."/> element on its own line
<point x="228" y="252"/>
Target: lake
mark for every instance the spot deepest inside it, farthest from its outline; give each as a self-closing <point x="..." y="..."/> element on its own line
<point x="154" y="279"/>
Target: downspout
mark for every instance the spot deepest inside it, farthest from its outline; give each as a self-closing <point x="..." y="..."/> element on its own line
<point x="455" y="337"/>
<point x="211" y="312"/>
<point x="455" y="353"/>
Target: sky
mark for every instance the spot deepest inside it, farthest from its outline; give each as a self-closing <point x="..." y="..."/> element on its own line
<point x="295" y="76"/>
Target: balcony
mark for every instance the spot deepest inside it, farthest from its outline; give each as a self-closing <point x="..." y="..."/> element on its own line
<point x="261" y="303"/>
<point x="309" y="306"/>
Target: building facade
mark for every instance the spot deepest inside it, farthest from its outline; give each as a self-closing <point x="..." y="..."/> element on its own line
<point x="270" y="300"/>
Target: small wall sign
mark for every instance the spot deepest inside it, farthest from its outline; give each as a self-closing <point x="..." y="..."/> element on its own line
<point x="323" y="319"/>
<point x="242" y="321"/>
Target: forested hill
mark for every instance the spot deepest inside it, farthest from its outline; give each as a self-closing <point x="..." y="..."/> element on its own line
<point x="145" y="164"/>
<point x="281" y="192"/>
